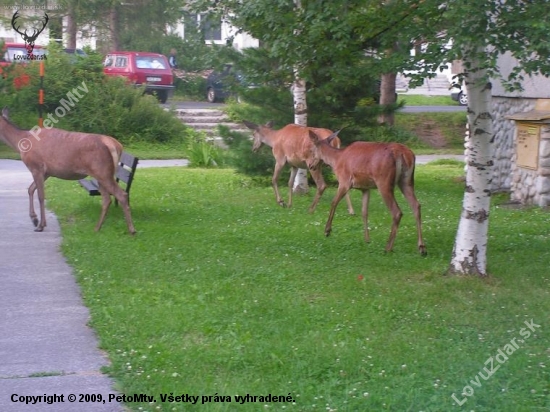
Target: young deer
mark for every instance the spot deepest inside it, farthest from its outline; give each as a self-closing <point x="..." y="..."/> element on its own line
<point x="292" y="145"/>
<point x="70" y="156"/>
<point x="369" y="165"/>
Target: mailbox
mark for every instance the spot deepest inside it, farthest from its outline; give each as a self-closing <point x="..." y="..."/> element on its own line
<point x="527" y="145"/>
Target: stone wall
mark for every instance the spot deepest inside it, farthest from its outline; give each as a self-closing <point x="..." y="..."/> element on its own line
<point x="504" y="145"/>
<point x="532" y="187"/>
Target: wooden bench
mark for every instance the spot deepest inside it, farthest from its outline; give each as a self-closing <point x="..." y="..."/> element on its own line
<point x="126" y="169"/>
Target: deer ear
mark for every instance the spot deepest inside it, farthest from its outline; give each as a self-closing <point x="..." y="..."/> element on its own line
<point x="333" y="136"/>
<point x="250" y="125"/>
<point x="313" y="136"/>
<point x="270" y="124"/>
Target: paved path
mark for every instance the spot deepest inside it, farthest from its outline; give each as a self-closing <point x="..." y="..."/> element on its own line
<point x="46" y="346"/>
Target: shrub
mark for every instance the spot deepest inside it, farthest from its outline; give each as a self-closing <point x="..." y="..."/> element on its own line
<point x="203" y="153"/>
<point x="109" y="106"/>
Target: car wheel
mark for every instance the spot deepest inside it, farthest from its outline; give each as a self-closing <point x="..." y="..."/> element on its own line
<point x="162" y="96"/>
<point x="462" y="99"/>
<point x="211" y="95"/>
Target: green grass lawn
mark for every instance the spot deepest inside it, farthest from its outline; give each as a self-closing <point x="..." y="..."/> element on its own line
<point x="224" y="293"/>
<point x="423" y="100"/>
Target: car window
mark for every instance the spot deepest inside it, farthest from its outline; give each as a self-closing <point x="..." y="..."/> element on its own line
<point x="144" y="62"/>
<point x="108" y="61"/>
<point x="11" y="52"/>
<point x="121" y="61"/>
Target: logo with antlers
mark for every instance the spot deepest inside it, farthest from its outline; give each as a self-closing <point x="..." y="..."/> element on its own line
<point x="29" y="39"/>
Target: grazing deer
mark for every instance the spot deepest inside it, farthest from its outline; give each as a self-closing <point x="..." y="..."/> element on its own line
<point x="70" y="156"/>
<point x="369" y="165"/>
<point x="292" y="145"/>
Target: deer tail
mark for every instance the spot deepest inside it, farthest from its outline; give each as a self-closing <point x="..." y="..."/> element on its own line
<point x="405" y="165"/>
<point x="115" y="148"/>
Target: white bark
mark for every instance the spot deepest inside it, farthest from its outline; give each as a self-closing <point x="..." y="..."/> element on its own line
<point x="470" y="249"/>
<point x="300" y="117"/>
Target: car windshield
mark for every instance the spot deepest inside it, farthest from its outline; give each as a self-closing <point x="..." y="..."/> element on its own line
<point x="149" y="63"/>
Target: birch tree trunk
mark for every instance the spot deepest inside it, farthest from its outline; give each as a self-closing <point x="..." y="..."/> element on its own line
<point x="470" y="249"/>
<point x="300" y="117"/>
<point x="300" y="113"/>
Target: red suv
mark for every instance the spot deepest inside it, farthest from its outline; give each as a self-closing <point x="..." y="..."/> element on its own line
<point x="140" y="68"/>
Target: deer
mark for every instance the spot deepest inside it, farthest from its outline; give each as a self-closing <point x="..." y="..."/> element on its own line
<point x="369" y="165"/>
<point x="70" y="156"/>
<point x="292" y="145"/>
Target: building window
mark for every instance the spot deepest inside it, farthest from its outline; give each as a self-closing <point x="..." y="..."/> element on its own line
<point x="211" y="27"/>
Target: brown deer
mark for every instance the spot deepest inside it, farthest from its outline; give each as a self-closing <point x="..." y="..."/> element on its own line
<point x="292" y="145"/>
<point x="369" y="165"/>
<point x="70" y="156"/>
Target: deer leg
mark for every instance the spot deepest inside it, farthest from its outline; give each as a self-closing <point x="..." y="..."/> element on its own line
<point x="317" y="175"/>
<point x="105" y="203"/>
<point x="32" y="213"/>
<point x="408" y="192"/>
<point x="278" y="167"/>
<point x="39" y="184"/>
<point x="350" y="206"/>
<point x="393" y="207"/>
<point x="365" y="213"/>
<point x="342" y="190"/>
<point x="293" y="173"/>
<point x="111" y="188"/>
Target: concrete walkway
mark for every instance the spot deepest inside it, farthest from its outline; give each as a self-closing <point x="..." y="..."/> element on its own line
<point x="46" y="347"/>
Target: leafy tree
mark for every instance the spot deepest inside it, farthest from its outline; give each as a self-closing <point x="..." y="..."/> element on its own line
<point x="478" y="33"/>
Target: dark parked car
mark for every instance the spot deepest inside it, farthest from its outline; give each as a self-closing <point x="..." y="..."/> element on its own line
<point x="140" y="68"/>
<point x="221" y="84"/>
<point x="458" y="93"/>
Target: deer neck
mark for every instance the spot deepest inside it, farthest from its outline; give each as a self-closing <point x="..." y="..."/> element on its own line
<point x="269" y="137"/>
<point x="12" y="135"/>
<point x="329" y="154"/>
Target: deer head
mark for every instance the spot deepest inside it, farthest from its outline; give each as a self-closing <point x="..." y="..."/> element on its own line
<point x="315" y="152"/>
<point x="29" y="39"/>
<point x="258" y="134"/>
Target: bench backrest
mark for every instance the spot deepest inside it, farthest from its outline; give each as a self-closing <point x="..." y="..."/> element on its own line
<point x="126" y="168"/>
<point x="125" y="172"/>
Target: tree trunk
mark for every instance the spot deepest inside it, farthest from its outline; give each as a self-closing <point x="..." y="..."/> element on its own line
<point x="300" y="111"/>
<point x="114" y="27"/>
<point x="387" y="96"/>
<point x="71" y="28"/>
<point x="300" y="117"/>
<point x="470" y="249"/>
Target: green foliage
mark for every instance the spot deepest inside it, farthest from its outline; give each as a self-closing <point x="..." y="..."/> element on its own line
<point x="203" y="153"/>
<point x="106" y="105"/>
<point x="257" y="165"/>
<point x="221" y="291"/>
<point x="191" y="87"/>
<point x="335" y="98"/>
